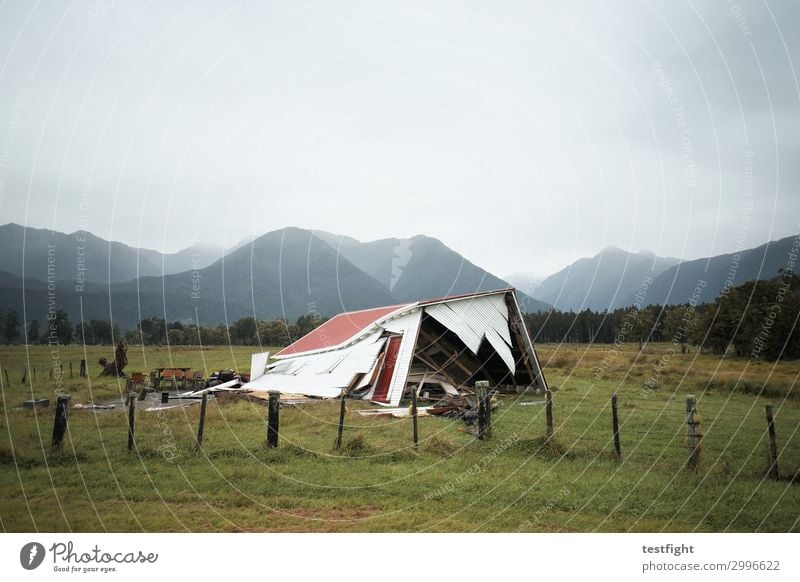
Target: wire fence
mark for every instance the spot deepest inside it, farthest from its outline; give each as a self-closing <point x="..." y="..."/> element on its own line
<point x="731" y="437"/>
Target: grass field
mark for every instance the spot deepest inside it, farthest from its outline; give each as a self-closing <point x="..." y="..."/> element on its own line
<point x="517" y="481"/>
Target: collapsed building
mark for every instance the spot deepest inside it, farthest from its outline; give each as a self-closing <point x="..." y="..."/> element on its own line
<point x="437" y="347"/>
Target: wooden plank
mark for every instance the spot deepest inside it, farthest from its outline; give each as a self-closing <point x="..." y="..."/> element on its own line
<point x="514" y="324"/>
<point x="455" y="355"/>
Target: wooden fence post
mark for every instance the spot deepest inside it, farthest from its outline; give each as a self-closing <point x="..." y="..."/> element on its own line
<point x="131" y="419"/>
<point x="693" y="433"/>
<point x="615" y="428"/>
<point x="50" y="375"/>
<point x="82" y="372"/>
<point x="34" y="373"/>
<point x="481" y="395"/>
<point x="487" y="410"/>
<point x="24" y="375"/>
<point x="165" y="398"/>
<point x="5" y="370"/>
<point x="341" y="421"/>
<point x="773" y="444"/>
<point x="60" y="420"/>
<point x="482" y="413"/>
<point x="70" y="369"/>
<point x="273" y="419"/>
<point x="549" y="411"/>
<point x="201" y="427"/>
<point x="414" y="429"/>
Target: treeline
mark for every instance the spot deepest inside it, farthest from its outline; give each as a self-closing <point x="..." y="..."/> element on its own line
<point x="55" y="330"/>
<point x="246" y="331"/>
<point x="155" y="331"/>
<point x="758" y="319"/>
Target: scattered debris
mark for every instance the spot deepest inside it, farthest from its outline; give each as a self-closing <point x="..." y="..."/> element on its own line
<point x="38" y="403"/>
<point x="396" y="412"/>
<point x="220" y="377"/>
<point x="181" y="404"/>
<point x="80" y="406"/>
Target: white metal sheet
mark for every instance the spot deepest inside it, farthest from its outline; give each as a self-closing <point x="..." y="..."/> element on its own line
<point x="322" y="385"/>
<point x="404" y="356"/>
<point x="258" y="365"/>
<point x="474" y="318"/>
<point x="454" y="321"/>
<point x="325" y="374"/>
<point x="402" y="323"/>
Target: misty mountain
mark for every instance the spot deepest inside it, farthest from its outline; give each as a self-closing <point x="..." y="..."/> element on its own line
<point x="285" y="273"/>
<point x="419" y="267"/>
<point x="83" y="257"/>
<point x="676" y="284"/>
<point x="526" y="281"/>
<point x="282" y="274"/>
<point x="607" y="280"/>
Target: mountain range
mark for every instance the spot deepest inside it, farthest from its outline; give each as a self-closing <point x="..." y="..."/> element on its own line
<point x="281" y="274"/>
<point x="613" y="277"/>
<point x="26" y="251"/>
<point x="293" y="271"/>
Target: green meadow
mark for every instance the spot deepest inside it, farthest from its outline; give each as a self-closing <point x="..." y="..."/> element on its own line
<point x="518" y="480"/>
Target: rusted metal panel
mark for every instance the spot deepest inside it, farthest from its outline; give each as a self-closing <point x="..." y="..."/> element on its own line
<point x="381" y="392"/>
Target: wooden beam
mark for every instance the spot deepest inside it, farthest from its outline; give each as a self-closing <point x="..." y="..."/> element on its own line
<point x="465" y="353"/>
<point x="438" y="369"/>
<point x="453" y="359"/>
<point x="525" y="345"/>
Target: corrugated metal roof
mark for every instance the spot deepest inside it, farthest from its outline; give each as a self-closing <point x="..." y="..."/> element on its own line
<point x="483" y="316"/>
<point x="464" y="296"/>
<point x="346" y="326"/>
<point x="338" y="329"/>
<point x="324" y="375"/>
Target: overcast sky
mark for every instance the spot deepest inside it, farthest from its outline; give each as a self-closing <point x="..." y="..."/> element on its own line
<point x="524" y="136"/>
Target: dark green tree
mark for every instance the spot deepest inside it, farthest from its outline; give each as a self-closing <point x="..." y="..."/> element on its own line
<point x="308" y="322"/>
<point x="243" y="331"/>
<point x="11" y="326"/>
<point x="61" y="326"/>
<point x="102" y="333"/>
<point x="33" y="331"/>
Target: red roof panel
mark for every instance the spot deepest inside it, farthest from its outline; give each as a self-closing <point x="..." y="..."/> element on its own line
<point x="338" y="329"/>
<point x="346" y="325"/>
